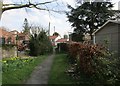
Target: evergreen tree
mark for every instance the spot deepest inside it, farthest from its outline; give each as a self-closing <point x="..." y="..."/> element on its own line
<point x="89" y="16"/>
<point x="40" y="44"/>
<point x="55" y="34"/>
<point x="26" y="26"/>
<point x="65" y="36"/>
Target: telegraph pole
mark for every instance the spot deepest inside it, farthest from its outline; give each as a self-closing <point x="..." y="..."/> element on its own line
<point x="54" y="29"/>
<point x="49" y="29"/>
<point x="17" y="44"/>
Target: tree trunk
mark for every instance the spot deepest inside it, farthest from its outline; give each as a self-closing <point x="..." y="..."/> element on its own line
<point x="1" y="4"/>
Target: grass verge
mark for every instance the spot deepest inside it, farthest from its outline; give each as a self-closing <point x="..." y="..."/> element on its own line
<point x="57" y="73"/>
<point x="17" y="71"/>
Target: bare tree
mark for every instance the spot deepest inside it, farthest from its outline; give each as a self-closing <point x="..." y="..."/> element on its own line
<point x="28" y="4"/>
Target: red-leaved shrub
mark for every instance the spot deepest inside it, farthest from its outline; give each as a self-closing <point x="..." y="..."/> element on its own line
<point x="84" y="54"/>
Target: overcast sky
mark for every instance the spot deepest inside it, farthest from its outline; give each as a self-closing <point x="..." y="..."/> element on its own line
<point x="13" y="19"/>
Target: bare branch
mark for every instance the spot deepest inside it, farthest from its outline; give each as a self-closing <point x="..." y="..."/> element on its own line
<point x="29" y="5"/>
<point x="14" y="7"/>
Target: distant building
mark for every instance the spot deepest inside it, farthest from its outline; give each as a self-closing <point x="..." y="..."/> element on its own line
<point x="52" y="39"/>
<point x="14" y="37"/>
<point x="6" y="36"/>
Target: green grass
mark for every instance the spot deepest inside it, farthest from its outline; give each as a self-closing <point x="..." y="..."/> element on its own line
<point x="57" y="73"/>
<point x="18" y="71"/>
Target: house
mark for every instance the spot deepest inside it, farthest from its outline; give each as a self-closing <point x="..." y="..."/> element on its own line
<point x="14" y="37"/>
<point x="23" y="38"/>
<point x="5" y="36"/>
<point x="52" y="39"/>
<point x="23" y="41"/>
<point x="109" y="35"/>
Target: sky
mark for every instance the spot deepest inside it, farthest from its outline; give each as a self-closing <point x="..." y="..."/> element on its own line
<point x="14" y="19"/>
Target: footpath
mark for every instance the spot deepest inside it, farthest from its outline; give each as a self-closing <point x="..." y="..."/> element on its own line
<point x="41" y="73"/>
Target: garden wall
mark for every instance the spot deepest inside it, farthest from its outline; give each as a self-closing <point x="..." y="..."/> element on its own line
<point x="9" y="52"/>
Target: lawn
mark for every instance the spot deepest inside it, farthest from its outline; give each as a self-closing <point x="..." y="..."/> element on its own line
<point x="57" y="73"/>
<point x="17" y="70"/>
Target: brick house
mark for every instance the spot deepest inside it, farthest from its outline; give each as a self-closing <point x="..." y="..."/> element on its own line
<point x="23" y="40"/>
<point x="6" y="37"/>
<point x="14" y="37"/>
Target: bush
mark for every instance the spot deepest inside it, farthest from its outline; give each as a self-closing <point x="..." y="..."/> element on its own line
<point x="7" y="46"/>
<point x="40" y="44"/>
<point x="94" y="61"/>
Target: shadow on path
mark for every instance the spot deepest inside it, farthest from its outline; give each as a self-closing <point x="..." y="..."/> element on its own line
<point x="41" y="72"/>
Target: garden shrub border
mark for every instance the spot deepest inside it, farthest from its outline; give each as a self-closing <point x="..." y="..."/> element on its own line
<point x="95" y="62"/>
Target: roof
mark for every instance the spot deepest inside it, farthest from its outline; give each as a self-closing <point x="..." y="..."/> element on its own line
<point x="4" y="33"/>
<point x="52" y="37"/>
<point x="14" y="31"/>
<point x="109" y="21"/>
<point x="21" y="34"/>
<point x="61" y="40"/>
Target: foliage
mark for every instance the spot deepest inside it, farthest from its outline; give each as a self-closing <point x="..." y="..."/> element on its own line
<point x="40" y="44"/>
<point x="7" y="46"/>
<point x="26" y="26"/>
<point x="56" y="34"/>
<point x="77" y="37"/>
<point x="65" y="36"/>
<point x="88" y="16"/>
<point x="16" y="70"/>
<point x="94" y="62"/>
<point x="15" y="63"/>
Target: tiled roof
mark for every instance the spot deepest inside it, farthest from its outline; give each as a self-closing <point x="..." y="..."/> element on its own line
<point x="4" y="33"/>
<point x="52" y="37"/>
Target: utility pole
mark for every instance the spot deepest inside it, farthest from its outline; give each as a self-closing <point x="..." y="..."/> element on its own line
<point x="119" y="5"/>
<point x="54" y="29"/>
<point x="49" y="29"/>
<point x="17" y="44"/>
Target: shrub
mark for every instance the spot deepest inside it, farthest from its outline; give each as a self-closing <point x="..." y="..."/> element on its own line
<point x="40" y="44"/>
<point x="7" y="46"/>
<point x="94" y="61"/>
